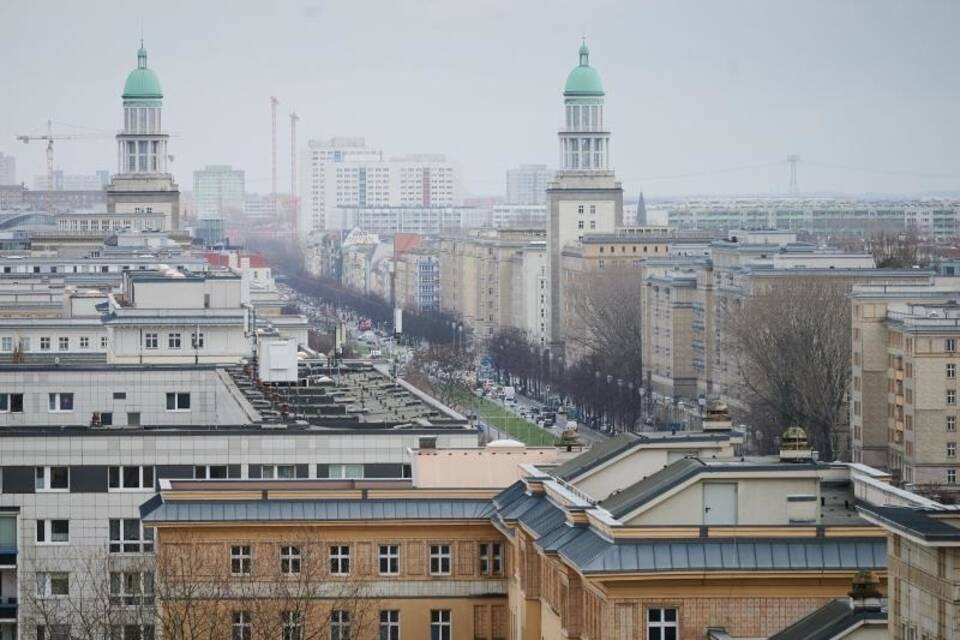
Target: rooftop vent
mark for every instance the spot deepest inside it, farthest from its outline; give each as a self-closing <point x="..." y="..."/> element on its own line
<point x="794" y="446"/>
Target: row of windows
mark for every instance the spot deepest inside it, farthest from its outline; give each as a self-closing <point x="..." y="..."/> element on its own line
<point x="127" y="535"/>
<point x="174" y="340"/>
<point x="57" y="478"/>
<point x="63" y="402"/>
<point x="126" y="587"/>
<point x="46" y="343"/>
<point x="341" y="623"/>
<point x="490" y="555"/>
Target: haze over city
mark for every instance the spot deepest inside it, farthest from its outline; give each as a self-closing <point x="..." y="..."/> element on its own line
<point x="703" y="97"/>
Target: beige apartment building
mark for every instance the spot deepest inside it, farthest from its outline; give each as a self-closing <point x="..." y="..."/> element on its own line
<point x="904" y="388"/>
<point x="477" y="276"/>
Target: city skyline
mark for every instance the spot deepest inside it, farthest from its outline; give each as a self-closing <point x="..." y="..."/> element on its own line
<point x="819" y="81"/>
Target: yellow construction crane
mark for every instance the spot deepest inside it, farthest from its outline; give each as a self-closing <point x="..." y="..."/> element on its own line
<point x="49" y="137"/>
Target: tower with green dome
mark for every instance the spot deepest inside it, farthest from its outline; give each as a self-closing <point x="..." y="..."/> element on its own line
<point x="584" y="141"/>
<point x="143" y="184"/>
<point x="585" y="198"/>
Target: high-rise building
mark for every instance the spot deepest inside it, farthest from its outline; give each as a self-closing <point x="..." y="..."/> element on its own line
<point x="143" y="185"/>
<point x="344" y="172"/>
<point x="585" y="197"/>
<point x="527" y="184"/>
<point x="8" y="170"/>
<point x="218" y="191"/>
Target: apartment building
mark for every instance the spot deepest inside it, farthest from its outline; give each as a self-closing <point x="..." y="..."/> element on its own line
<point x="527" y="184"/>
<point x="344" y="172"/>
<point x="903" y="398"/>
<point x="477" y="276"/>
<point x="219" y="191"/>
<point x="417" y="280"/>
<point x="932" y="218"/>
<point x="388" y="220"/>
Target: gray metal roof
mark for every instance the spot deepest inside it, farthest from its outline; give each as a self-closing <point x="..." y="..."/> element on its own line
<point x="920" y="523"/>
<point x="330" y="510"/>
<point x="622" y="503"/>
<point x="830" y="621"/>
<point x="729" y="555"/>
<point x="595" y="456"/>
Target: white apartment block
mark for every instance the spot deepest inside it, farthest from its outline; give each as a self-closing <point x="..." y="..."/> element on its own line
<point x="519" y="216"/>
<point x="423" y="220"/>
<point x="527" y="184"/>
<point x="344" y="172"/>
<point x="218" y="191"/>
<point x="8" y="170"/>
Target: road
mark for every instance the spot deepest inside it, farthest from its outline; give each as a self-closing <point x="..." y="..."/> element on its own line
<point x="586" y="434"/>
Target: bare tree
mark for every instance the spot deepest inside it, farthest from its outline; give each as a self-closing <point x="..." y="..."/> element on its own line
<point x="791" y="344"/>
<point x="898" y="250"/>
<point x="440" y="370"/>
<point x="607" y="307"/>
<point x="201" y="593"/>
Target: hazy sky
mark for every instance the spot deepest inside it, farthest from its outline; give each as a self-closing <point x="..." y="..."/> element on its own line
<point x="867" y="92"/>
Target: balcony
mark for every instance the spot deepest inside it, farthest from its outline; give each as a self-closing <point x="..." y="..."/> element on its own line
<point x="899" y="400"/>
<point x="898" y="374"/>
<point x="899" y="425"/>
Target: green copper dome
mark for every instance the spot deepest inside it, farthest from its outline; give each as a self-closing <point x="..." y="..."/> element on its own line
<point x="584" y="79"/>
<point x="142" y="82"/>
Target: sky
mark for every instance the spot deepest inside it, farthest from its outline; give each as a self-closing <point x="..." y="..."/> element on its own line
<point x="703" y="96"/>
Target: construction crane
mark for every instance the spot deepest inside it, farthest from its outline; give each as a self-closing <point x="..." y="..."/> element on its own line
<point x="49" y="137"/>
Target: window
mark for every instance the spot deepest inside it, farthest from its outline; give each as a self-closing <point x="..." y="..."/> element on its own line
<point x="53" y="632"/>
<point x="132" y="632"/>
<point x="290" y="560"/>
<point x="60" y="402"/>
<point x="951" y="476"/>
<point x="53" y="583"/>
<point x="131" y="587"/>
<point x="103" y="342"/>
<point x="241" y="629"/>
<point x="339" y="625"/>
<point x="951" y="370"/>
<point x="130" y="477"/>
<point x="11" y="403"/>
<point x="133" y="418"/>
<point x="151" y="341"/>
<point x="440" y="626"/>
<point x="291" y="625"/>
<point x="119" y="395"/>
<point x="389" y="559"/>
<point x="6" y="343"/>
<point x="593" y="209"/>
<point x="63" y="343"/>
<point x="661" y="624"/>
<point x="950" y="345"/>
<point x="129" y="536"/>
<point x="178" y="402"/>
<point x="44" y="343"/>
<point x="491" y="559"/>
<point x="951" y="397"/>
<point x="84" y="342"/>
<point x="593" y="224"/>
<point x="345" y="471"/>
<point x="580" y="224"/>
<point x="278" y="471"/>
<point x="210" y="472"/>
<point x="390" y="624"/>
<point x="951" y="423"/>
<point x="52" y="478"/>
<point x="174" y="340"/>
<point x="197" y="340"/>
<point x="240" y="560"/>
<point x="340" y="560"/>
<point x="951" y="449"/>
<point x="580" y="209"/>
<point x="440" y="559"/>
<point x="53" y="531"/>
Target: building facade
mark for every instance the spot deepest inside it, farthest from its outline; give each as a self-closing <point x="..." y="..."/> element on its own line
<point x="219" y="191"/>
<point x="8" y="170"/>
<point x="527" y="184"/>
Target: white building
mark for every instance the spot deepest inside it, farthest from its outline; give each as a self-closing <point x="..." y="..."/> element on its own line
<point x="73" y="181"/>
<point x="388" y="220"/>
<point x="527" y="184"/>
<point x="218" y="191"/>
<point x="344" y="172"/>
<point x="530" y="291"/>
<point x="525" y="216"/>
<point x="169" y="316"/>
<point x="8" y="170"/>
